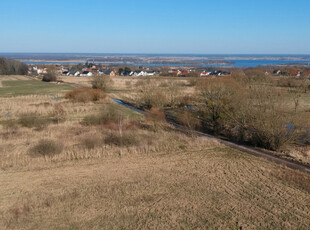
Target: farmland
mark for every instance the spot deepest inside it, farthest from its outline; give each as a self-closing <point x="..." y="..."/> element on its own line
<point x="129" y="171"/>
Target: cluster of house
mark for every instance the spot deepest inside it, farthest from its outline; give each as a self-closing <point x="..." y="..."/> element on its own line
<point x="296" y="73"/>
<point x="36" y="70"/>
<point x="93" y="69"/>
<point x="88" y="72"/>
<point x="202" y="73"/>
<point x="214" y="73"/>
<point x="138" y="73"/>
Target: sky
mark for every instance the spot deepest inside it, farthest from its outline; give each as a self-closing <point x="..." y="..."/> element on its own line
<point x="156" y="26"/>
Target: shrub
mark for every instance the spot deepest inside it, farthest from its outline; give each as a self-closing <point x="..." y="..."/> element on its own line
<point x="85" y="95"/>
<point x="102" y="82"/>
<point x="46" y="147"/>
<point x="289" y="82"/>
<point x="48" y="77"/>
<point x="256" y="75"/>
<point x="188" y="120"/>
<point x="59" y="113"/>
<point x="10" y="127"/>
<point x="125" y="140"/>
<point x="186" y="100"/>
<point x="155" y="115"/>
<point x="107" y="116"/>
<point x="253" y="114"/>
<point x="32" y="120"/>
<point x="90" y="120"/>
<point x="91" y="142"/>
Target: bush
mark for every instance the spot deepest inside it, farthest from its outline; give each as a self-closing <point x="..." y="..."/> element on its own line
<point x="155" y="115"/>
<point x="125" y="140"/>
<point x="247" y="113"/>
<point x="152" y="96"/>
<point x="289" y="82"/>
<point x="49" y="77"/>
<point x="256" y="75"/>
<point x="85" y="95"/>
<point x="107" y="116"/>
<point x="102" y="82"/>
<point x="91" y="142"/>
<point x="10" y="127"/>
<point x="46" y="147"/>
<point x="188" y="120"/>
<point x="59" y="113"/>
<point x="32" y="120"/>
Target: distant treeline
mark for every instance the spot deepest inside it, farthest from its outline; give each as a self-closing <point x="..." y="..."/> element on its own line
<point x="12" y="67"/>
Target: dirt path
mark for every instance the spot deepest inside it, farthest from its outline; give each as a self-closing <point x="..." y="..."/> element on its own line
<point x="242" y="148"/>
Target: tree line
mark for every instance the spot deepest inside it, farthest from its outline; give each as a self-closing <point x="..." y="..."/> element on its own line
<point x="12" y="67"/>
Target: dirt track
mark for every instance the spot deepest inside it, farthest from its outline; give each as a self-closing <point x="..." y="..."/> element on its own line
<point x="242" y="148"/>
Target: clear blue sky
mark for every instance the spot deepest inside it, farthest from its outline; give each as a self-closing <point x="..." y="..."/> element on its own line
<point x="157" y="26"/>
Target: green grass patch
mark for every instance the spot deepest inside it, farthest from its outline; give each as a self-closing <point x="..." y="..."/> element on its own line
<point x="111" y="113"/>
<point x="28" y="87"/>
<point x="125" y="111"/>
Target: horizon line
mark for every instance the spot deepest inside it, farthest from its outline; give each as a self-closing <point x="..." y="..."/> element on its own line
<point x="125" y="53"/>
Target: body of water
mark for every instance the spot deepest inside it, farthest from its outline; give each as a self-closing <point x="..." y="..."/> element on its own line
<point x="202" y="60"/>
<point x="228" y="63"/>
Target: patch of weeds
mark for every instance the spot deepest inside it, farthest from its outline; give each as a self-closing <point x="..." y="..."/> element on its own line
<point x="46" y="147"/>
<point x="125" y="140"/>
<point x="33" y="120"/>
<point x="107" y="116"/>
<point x="10" y="127"/>
<point x="91" y="142"/>
<point x="85" y="95"/>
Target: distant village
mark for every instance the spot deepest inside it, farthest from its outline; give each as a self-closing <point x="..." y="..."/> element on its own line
<point x="92" y="69"/>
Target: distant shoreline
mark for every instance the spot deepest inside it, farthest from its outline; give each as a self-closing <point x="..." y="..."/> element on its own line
<point x="229" y="61"/>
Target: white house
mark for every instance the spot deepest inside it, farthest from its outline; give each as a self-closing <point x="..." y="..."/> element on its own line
<point x="87" y="74"/>
<point x="139" y="73"/>
<point x="150" y="73"/>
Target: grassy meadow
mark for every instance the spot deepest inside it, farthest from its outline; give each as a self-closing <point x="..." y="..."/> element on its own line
<point x="18" y="86"/>
<point x="78" y="164"/>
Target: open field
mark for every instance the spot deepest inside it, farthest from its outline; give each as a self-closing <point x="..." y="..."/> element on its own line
<point x="14" y="86"/>
<point x="157" y="178"/>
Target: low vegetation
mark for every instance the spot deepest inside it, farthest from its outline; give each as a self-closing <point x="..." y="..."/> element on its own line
<point x="85" y="95"/>
<point x="122" y="140"/>
<point x="49" y="77"/>
<point x="33" y="120"/>
<point x="46" y="147"/>
<point x="102" y="82"/>
<point x="26" y="86"/>
<point x="146" y="172"/>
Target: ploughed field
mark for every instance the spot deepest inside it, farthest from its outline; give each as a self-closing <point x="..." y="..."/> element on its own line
<point x="77" y="167"/>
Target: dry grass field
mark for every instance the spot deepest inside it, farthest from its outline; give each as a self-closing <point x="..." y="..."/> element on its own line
<point x="154" y="177"/>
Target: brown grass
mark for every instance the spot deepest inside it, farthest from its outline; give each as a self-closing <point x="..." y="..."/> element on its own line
<point x="165" y="180"/>
<point x="46" y="147"/>
<point x="155" y="115"/>
<point x="85" y="95"/>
